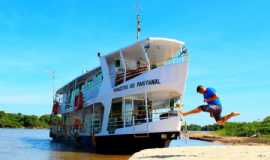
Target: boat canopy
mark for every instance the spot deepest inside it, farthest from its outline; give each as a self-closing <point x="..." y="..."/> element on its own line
<point x="157" y="49"/>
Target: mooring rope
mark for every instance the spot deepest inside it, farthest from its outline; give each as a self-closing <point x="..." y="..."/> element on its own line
<point x="183" y="133"/>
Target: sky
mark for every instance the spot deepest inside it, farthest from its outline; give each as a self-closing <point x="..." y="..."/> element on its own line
<point x="228" y="43"/>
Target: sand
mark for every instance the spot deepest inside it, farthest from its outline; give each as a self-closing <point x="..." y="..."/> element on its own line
<point x="213" y="137"/>
<point x="226" y="152"/>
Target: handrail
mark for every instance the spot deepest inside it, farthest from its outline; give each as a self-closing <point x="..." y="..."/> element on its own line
<point x="130" y="74"/>
<point x="117" y="121"/>
<point x="177" y="59"/>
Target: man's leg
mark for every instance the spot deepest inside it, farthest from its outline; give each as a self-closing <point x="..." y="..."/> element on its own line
<point x="227" y="117"/>
<point x="194" y="111"/>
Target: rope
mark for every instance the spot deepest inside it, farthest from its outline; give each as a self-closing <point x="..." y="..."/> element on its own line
<point x="183" y="133"/>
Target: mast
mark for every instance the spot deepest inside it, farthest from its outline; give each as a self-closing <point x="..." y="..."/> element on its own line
<point x="52" y="74"/>
<point x="138" y="20"/>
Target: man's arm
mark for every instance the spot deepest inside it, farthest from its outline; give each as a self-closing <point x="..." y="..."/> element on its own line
<point x="214" y="97"/>
<point x="212" y="94"/>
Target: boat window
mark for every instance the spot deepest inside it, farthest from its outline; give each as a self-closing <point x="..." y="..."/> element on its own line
<point x="117" y="63"/>
<point x="90" y="83"/>
<point x="165" y="108"/>
<point x="80" y="86"/>
<point x="128" y="112"/>
<point x="115" y="118"/>
<point x="87" y="120"/>
<point x="139" y="111"/>
<point x="99" y="77"/>
<point x="98" y="112"/>
<point x="60" y="98"/>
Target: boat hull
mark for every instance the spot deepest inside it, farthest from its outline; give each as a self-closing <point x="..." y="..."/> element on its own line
<point x="128" y="143"/>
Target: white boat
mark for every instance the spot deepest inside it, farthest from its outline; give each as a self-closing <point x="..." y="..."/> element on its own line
<point x="130" y="102"/>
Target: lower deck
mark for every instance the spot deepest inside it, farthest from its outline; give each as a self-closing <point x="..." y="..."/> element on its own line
<point x="141" y="113"/>
<point x="130" y="123"/>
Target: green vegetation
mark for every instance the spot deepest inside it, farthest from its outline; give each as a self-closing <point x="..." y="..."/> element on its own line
<point x="11" y="120"/>
<point x="240" y="129"/>
<point x="195" y="127"/>
<point x="247" y="129"/>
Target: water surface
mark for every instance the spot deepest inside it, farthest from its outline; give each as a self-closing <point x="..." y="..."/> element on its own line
<point x="35" y="144"/>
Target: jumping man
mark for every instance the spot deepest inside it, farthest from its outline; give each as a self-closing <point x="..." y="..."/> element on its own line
<point x="213" y="106"/>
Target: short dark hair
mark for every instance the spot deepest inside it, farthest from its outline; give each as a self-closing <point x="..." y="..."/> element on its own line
<point x="199" y="87"/>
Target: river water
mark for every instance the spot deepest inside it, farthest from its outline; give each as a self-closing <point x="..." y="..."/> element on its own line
<point x="35" y="144"/>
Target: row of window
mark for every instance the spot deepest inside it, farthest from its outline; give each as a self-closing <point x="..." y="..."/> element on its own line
<point x="91" y="83"/>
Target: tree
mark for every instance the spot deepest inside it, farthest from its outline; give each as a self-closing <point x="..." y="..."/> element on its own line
<point x="194" y="127"/>
<point x="30" y="121"/>
<point x="11" y="120"/>
<point x="266" y="119"/>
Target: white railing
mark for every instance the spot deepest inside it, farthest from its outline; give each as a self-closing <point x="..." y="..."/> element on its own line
<point x="73" y="131"/>
<point x="120" y="77"/>
<point x="178" y="58"/>
<point x="137" y="117"/>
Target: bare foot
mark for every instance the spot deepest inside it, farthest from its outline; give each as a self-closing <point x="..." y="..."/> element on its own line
<point x="227" y="117"/>
<point x="220" y="123"/>
<point x="234" y="114"/>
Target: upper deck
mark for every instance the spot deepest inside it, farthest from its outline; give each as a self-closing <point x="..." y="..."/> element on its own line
<point x="146" y="54"/>
<point x="129" y="62"/>
<point x="122" y="66"/>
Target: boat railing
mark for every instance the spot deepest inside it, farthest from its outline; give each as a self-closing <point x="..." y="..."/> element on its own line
<point x="116" y="120"/>
<point x="136" y="117"/>
<point x="61" y="129"/>
<point x="131" y="73"/>
<point x="96" y="124"/>
<point x="64" y="130"/>
<point x="178" y="58"/>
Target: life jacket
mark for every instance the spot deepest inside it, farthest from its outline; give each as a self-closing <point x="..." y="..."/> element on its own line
<point x="77" y="123"/>
<point x="78" y="103"/>
<point x="56" y="108"/>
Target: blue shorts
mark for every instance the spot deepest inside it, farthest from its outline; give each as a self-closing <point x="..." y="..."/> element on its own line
<point x="214" y="110"/>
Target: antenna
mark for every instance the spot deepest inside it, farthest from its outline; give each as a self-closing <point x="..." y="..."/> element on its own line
<point x="52" y="74"/>
<point x="138" y="19"/>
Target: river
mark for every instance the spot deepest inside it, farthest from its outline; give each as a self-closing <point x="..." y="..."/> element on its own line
<point x="35" y="144"/>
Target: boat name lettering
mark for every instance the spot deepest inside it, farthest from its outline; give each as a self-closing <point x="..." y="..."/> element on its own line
<point x="148" y="82"/>
<point x="137" y="84"/>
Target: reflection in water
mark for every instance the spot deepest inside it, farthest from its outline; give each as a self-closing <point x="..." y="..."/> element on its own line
<point x="85" y="156"/>
<point x="32" y="144"/>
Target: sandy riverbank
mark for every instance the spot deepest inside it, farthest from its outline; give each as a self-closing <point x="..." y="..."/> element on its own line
<point x="213" y="137"/>
<point x="226" y="152"/>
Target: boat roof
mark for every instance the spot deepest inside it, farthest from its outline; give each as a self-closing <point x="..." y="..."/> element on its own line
<point x="152" y="40"/>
